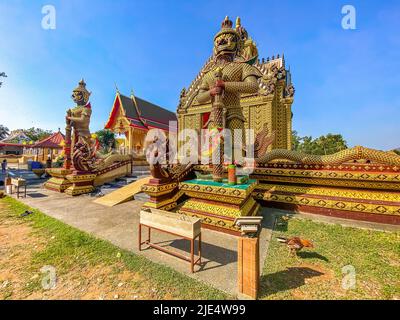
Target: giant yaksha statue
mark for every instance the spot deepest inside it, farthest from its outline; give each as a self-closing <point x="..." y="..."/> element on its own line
<point x="79" y="116"/>
<point x="78" y="145"/>
<point x="231" y="75"/>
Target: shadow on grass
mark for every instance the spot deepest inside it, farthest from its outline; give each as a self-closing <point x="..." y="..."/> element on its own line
<point x="291" y="278"/>
<point x="312" y="255"/>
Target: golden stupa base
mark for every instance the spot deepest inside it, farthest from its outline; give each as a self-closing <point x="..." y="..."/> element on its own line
<point x="163" y="195"/>
<point x="58" y="181"/>
<point x="80" y="184"/>
<point x="218" y="204"/>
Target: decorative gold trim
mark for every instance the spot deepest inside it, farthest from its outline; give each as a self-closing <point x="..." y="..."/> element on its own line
<point x="213" y="221"/>
<point x="81" y="177"/>
<point x="331" y="182"/>
<point x="217" y="190"/>
<point x="329" y="203"/>
<point x="212" y="197"/>
<point x="78" y="190"/>
<point x="150" y="188"/>
<point x="344" y="175"/>
<point x="219" y="209"/>
<point x="331" y="192"/>
<point x="165" y="203"/>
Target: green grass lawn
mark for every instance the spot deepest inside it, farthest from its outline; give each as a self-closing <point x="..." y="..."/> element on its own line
<point x="83" y="263"/>
<point x="89" y="268"/>
<point x="317" y="273"/>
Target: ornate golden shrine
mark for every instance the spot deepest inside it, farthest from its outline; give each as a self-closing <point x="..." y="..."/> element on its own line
<point x="357" y="183"/>
<point x="272" y="105"/>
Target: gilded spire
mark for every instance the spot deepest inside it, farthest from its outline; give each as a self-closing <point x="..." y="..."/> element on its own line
<point x="238" y="23"/>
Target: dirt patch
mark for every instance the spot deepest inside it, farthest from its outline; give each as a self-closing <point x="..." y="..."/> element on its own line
<point x="19" y="280"/>
<point x="16" y="247"/>
<point x="94" y="283"/>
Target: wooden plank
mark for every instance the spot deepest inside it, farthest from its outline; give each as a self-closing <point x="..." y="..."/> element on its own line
<point x="123" y="194"/>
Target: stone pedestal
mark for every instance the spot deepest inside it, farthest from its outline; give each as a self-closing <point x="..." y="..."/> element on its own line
<point x="218" y="204"/>
<point x="58" y="181"/>
<point x="80" y="184"/>
<point x="248" y="267"/>
<point x="162" y="195"/>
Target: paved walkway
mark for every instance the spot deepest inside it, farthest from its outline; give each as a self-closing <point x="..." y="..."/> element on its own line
<point x="119" y="225"/>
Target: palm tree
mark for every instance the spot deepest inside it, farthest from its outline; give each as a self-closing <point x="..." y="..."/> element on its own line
<point x="4" y="132"/>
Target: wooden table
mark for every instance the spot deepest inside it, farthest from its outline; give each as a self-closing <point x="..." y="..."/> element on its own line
<point x="17" y="183"/>
<point x="188" y="228"/>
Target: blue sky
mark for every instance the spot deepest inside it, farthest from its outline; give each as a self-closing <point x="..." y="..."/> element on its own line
<point x="347" y="81"/>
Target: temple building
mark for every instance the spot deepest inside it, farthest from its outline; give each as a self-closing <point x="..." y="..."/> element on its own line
<point x="49" y="147"/>
<point x="19" y="144"/>
<point x="132" y="117"/>
<point x="8" y="148"/>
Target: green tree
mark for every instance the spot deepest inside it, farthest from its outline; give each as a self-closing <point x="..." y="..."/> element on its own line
<point x="106" y="139"/>
<point x="2" y="74"/>
<point x="4" y="132"/>
<point x="331" y="143"/>
<point x="37" y="134"/>
<point x="324" y="145"/>
<point x="296" y="140"/>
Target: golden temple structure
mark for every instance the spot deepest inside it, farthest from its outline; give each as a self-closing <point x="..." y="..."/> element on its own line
<point x="271" y="106"/>
<point x="356" y="183"/>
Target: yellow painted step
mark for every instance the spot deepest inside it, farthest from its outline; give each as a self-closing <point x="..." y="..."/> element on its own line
<point x="123" y="194"/>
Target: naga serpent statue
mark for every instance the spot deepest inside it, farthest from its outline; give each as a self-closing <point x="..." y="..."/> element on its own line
<point x="158" y="155"/>
<point x="347" y="155"/>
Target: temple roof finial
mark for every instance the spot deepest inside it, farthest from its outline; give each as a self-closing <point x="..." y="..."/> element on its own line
<point x="134" y="100"/>
<point x="238" y="23"/>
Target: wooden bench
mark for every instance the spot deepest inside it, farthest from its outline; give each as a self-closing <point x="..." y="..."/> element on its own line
<point x="172" y="223"/>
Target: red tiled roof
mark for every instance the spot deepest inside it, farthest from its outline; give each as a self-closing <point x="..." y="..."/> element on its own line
<point x="52" y="141"/>
<point x="139" y="112"/>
